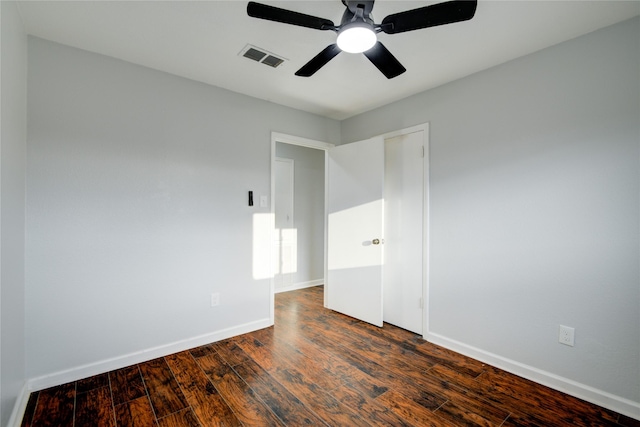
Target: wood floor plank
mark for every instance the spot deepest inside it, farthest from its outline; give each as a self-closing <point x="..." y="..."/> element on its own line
<point x="164" y="391"/>
<point x="625" y="421"/>
<point x="516" y="419"/>
<point x="475" y="394"/>
<point x="473" y="404"/>
<point x="55" y="406"/>
<point x="369" y="338"/>
<point x="230" y="352"/>
<point x="290" y="357"/>
<point x="435" y="354"/>
<point x="406" y="371"/>
<point x="521" y="421"/>
<point x="442" y="356"/>
<point x="543" y="402"/>
<point x="183" y="418"/>
<point x="399" y="371"/>
<point x="411" y="411"/>
<point x="319" y="400"/>
<point x="461" y="394"/>
<point x="318" y="383"/>
<point x="94" y="408"/>
<point x="126" y="384"/>
<point x="408" y="340"/>
<point x="332" y="343"/>
<point x="27" y="419"/>
<point x="205" y="400"/>
<point x="202" y="350"/>
<point x="459" y="415"/>
<point x="422" y="389"/>
<point x="395" y="362"/>
<point x="359" y="396"/>
<point x="239" y="396"/>
<point x="369" y="409"/>
<point x="91" y="383"/>
<point x="135" y="413"/>
<point x="335" y="360"/>
<point x="281" y="401"/>
<point x="384" y="376"/>
<point x="254" y="348"/>
<point x="387" y="345"/>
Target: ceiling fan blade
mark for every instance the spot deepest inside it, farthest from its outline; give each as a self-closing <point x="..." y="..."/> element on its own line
<point x="271" y="13"/>
<point x="384" y="61"/>
<point x="319" y="61"/>
<point x="429" y="16"/>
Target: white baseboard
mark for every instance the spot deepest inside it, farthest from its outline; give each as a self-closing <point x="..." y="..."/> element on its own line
<point x="590" y="394"/>
<point x="300" y="285"/>
<point x="20" y="406"/>
<point x="91" y="369"/>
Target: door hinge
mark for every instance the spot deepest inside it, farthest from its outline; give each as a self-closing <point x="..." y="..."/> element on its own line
<point x="421" y="302"/>
<point x="423" y="151"/>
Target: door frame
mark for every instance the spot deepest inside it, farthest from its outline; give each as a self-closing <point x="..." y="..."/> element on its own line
<point x="302" y="142"/>
<point x="325" y="146"/>
<point x="424" y="127"/>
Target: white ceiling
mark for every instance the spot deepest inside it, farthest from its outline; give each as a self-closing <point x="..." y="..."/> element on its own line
<point x="201" y="40"/>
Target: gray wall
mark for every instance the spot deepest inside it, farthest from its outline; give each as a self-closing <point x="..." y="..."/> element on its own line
<point x="308" y="209"/>
<point x="534" y="202"/>
<point x="136" y="206"/>
<point x="13" y="138"/>
<point x="137" y="209"/>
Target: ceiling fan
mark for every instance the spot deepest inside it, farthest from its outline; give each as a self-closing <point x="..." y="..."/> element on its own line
<point x="357" y="31"/>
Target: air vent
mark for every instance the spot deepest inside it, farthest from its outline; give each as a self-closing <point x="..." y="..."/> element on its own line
<point x="254" y="54"/>
<point x="272" y="61"/>
<point x="262" y="56"/>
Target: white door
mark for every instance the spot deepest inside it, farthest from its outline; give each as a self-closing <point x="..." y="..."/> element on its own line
<point x="355" y="225"/>
<point x="285" y="259"/>
<point x="403" y="195"/>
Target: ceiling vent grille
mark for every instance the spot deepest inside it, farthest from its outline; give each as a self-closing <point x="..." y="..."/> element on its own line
<point x="262" y="56"/>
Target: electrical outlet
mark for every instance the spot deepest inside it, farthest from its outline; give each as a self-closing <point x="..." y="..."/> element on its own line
<point x="215" y="299"/>
<point x="566" y="335"/>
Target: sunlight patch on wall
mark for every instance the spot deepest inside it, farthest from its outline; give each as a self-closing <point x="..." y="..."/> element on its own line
<point x="285" y="260"/>
<point x="263" y="224"/>
<point x="350" y="232"/>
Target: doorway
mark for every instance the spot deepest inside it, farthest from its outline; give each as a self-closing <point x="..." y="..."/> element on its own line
<point x="406" y="245"/>
<point x="299" y="217"/>
<point x="298" y="195"/>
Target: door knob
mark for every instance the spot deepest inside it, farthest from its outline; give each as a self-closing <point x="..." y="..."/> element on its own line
<point x="376" y="241"/>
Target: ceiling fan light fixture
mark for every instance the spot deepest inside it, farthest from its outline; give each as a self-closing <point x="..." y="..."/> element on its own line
<point x="356" y="37"/>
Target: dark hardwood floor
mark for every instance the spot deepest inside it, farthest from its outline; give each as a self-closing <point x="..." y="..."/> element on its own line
<point x="314" y="367"/>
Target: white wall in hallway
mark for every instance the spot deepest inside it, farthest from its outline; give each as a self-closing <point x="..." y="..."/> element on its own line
<point x="308" y="210"/>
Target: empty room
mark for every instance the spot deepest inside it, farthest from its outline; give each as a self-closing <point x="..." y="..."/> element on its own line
<point x="223" y="213"/>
